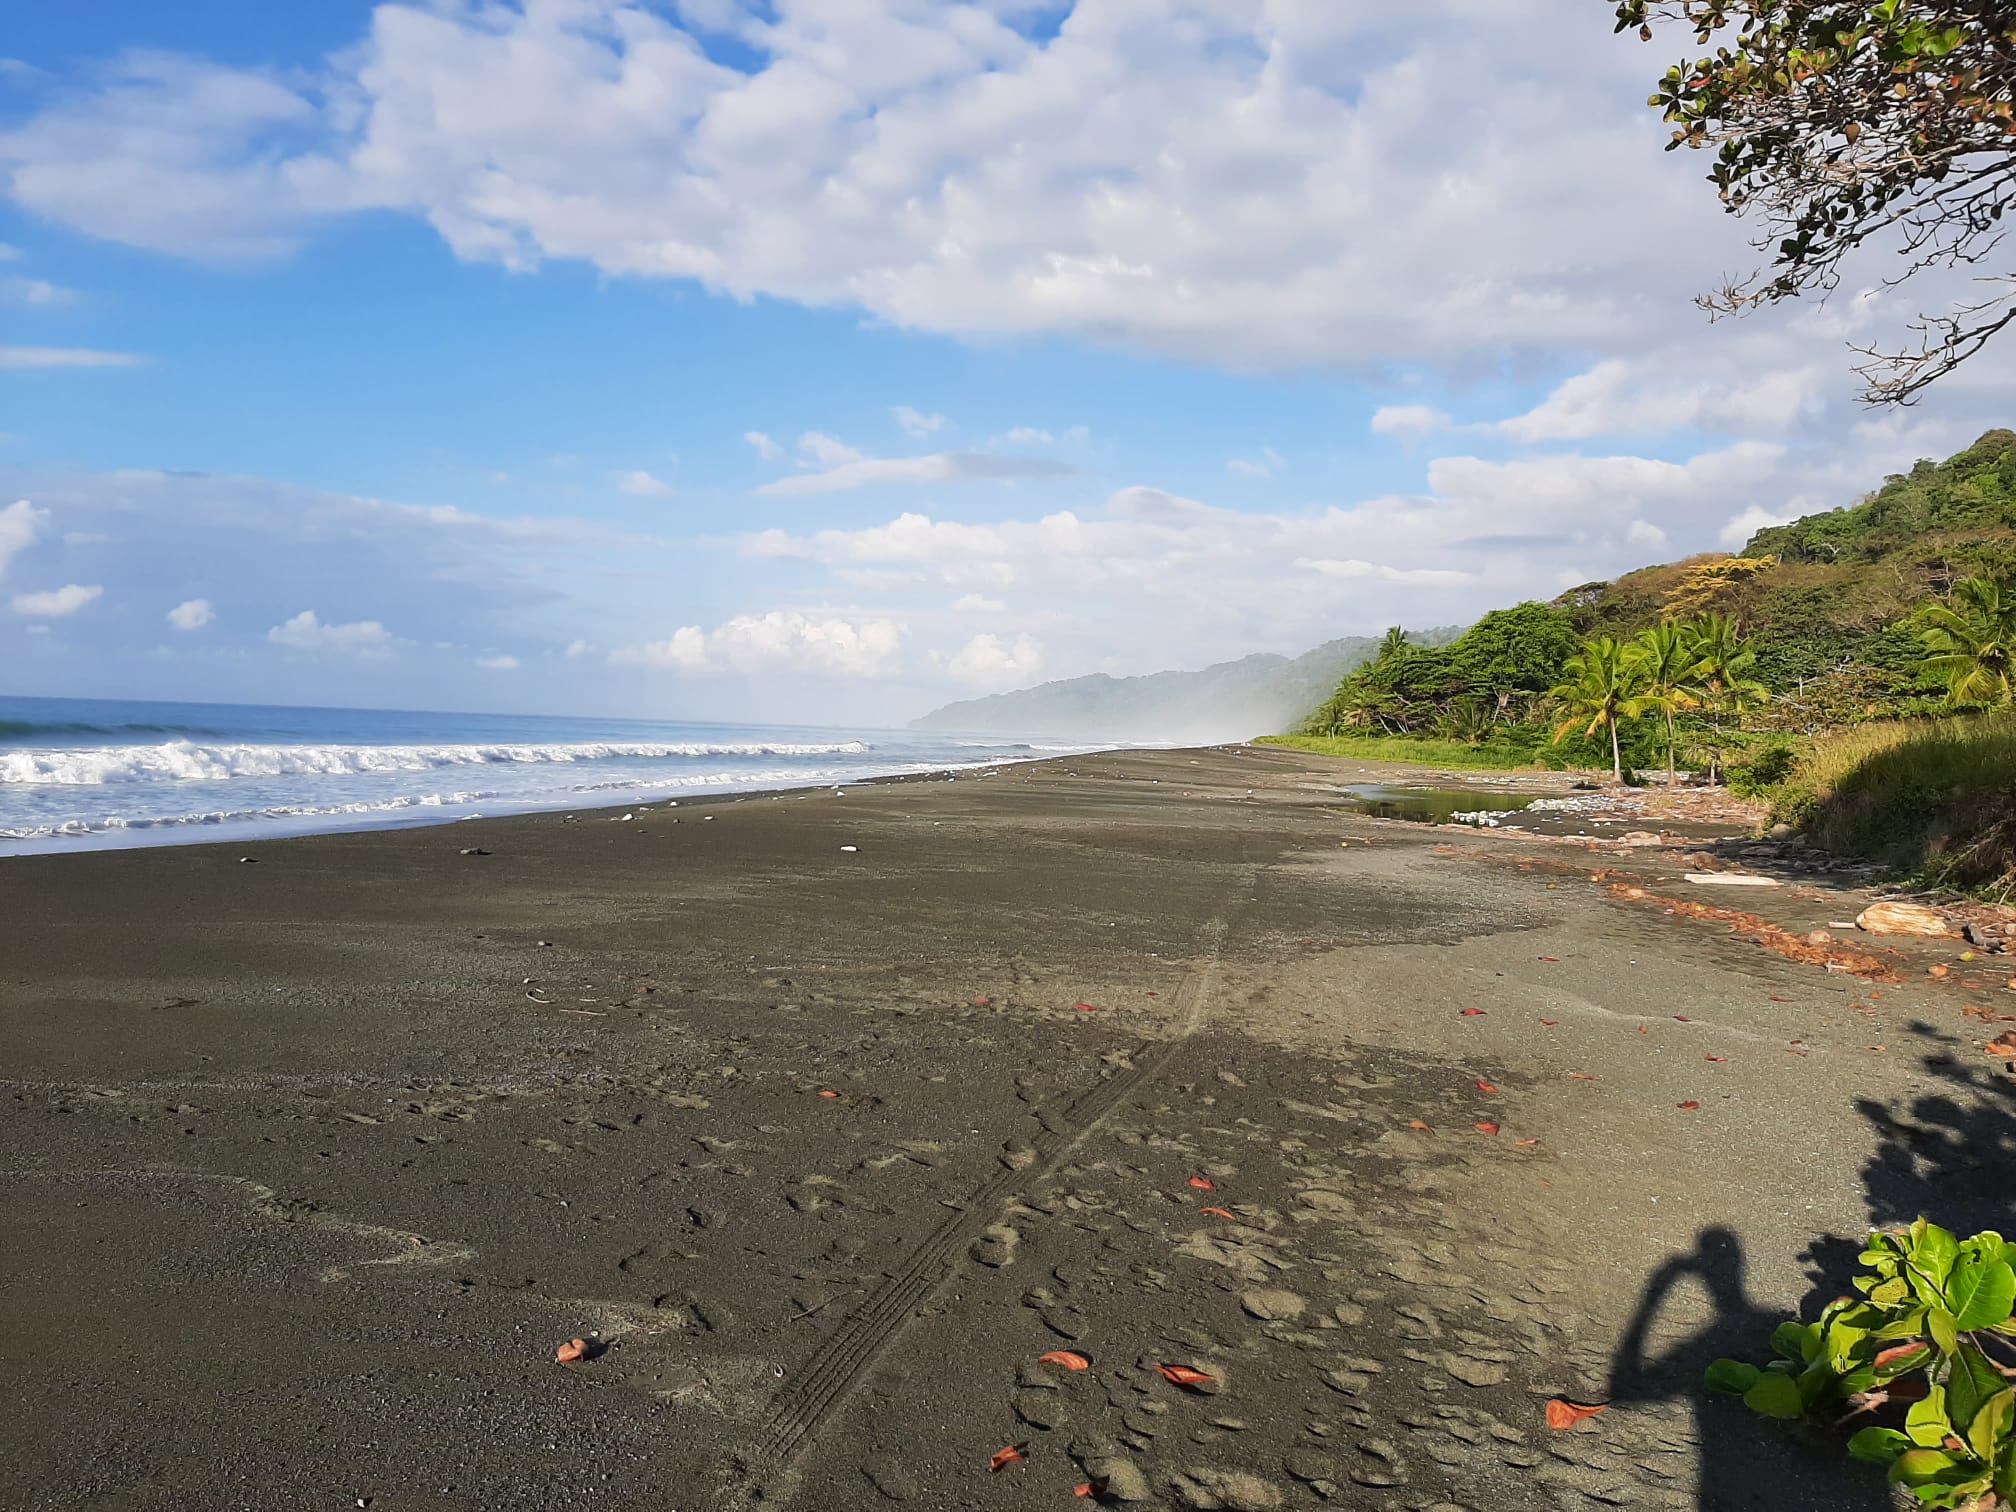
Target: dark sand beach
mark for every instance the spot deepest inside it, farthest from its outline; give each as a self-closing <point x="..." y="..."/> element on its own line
<point x="314" y="1160"/>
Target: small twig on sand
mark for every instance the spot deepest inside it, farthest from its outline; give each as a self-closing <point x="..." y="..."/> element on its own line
<point x="822" y="1306"/>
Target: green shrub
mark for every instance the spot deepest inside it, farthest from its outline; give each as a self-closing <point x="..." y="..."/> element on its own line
<point x="1762" y="770"/>
<point x="1930" y="1305"/>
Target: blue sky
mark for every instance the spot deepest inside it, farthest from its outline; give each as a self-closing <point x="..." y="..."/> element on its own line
<point x="821" y="360"/>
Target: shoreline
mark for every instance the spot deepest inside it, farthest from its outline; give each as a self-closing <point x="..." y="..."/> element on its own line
<point x="925" y="1079"/>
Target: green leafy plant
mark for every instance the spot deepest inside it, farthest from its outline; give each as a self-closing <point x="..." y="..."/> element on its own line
<point x="1931" y="1309"/>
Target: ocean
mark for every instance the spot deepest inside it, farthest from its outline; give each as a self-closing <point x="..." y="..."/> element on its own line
<point x="86" y="774"/>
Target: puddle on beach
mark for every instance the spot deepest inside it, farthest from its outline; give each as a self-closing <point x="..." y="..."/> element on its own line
<point x="1427" y="805"/>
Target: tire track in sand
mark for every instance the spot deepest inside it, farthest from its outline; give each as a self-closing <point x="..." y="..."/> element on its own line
<point x="827" y="1381"/>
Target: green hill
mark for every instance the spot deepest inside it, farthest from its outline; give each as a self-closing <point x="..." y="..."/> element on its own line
<point x="1826" y="601"/>
<point x="1231" y="700"/>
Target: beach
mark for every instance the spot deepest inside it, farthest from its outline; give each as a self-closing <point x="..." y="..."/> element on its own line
<point x="1333" y="1148"/>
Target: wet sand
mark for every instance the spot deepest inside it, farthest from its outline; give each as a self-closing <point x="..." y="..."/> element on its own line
<point x="313" y="1161"/>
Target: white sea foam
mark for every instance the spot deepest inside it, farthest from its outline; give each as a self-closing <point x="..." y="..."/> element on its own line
<point x="181" y="760"/>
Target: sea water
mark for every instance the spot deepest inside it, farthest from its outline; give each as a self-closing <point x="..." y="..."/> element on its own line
<point x="84" y="774"/>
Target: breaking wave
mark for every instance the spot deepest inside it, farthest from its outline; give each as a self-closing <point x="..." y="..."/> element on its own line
<point x="185" y="761"/>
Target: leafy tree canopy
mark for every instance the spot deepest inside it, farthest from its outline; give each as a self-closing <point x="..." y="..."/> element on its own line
<point x="1839" y="125"/>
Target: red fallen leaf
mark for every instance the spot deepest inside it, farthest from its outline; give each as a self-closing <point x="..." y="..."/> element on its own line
<point x="1202" y="1183"/>
<point x="1069" y="1359"/>
<point x="1524" y="1144"/>
<point x="1781" y="1000"/>
<point x="1084" y="1007"/>
<point x="1717" y="1058"/>
<point x="1688" y="1107"/>
<point x="829" y="1094"/>
<point x="1083" y="1490"/>
<point x="1682" y="1018"/>
<point x="1219" y="1213"/>
<point x="1417" y="1124"/>
<point x="1484" y="1086"/>
<point x="572" y="1350"/>
<point x="1556" y="960"/>
<point x="1471" y="1013"/>
<point x="1487" y="1128"/>
<point x="980" y="1002"/>
<point x="2004" y="1044"/>
<point x="1562" y="1414"/>
<point x="1550" y="1023"/>
<point x="1580" y="1076"/>
<point x="1183" y="1375"/>
<point x="1006" y="1456"/>
<point x="1154" y="994"/>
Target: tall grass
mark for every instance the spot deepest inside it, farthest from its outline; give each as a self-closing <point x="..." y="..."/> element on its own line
<point x="1932" y="797"/>
<point x="1437" y="753"/>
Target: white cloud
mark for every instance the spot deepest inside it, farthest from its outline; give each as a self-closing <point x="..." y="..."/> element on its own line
<point x="35" y="293"/>
<point x="305" y="632"/>
<point x="1645" y="533"/>
<point x="993" y="662"/>
<point x="56" y="603"/>
<point x="1028" y="435"/>
<point x="765" y="448"/>
<point x="916" y="423"/>
<point x="943" y="467"/>
<point x="1743" y="526"/>
<point x="827" y="451"/>
<point x="65" y="357"/>
<point x="975" y="603"/>
<point x="1266" y="465"/>
<point x="1655" y="395"/>
<point x="498" y="662"/>
<point x="20" y="523"/>
<point x="825" y="645"/>
<point x="579" y="648"/>
<point x="1182" y="177"/>
<point x="642" y="485"/>
<point x="192" y="614"/>
<point x="1351" y="567"/>
<point x="1410" y="422"/>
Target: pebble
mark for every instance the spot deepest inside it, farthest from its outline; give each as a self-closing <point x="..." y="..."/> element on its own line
<point x="1273" y="1305"/>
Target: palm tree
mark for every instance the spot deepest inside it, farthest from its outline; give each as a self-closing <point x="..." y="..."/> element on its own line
<point x="1722" y="677"/>
<point x="1603" y="684"/>
<point x="1667" y="658"/>
<point x="1972" y="641"/>
<point x="1393" y="646"/>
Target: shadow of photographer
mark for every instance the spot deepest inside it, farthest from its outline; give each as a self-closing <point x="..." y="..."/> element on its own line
<point x="1947" y="1153"/>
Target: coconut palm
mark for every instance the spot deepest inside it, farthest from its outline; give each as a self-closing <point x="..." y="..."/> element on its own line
<point x="1972" y="641"/>
<point x="1723" y="677"/>
<point x="1667" y="658"/>
<point x="1602" y="684"/>
<point x="1393" y="646"/>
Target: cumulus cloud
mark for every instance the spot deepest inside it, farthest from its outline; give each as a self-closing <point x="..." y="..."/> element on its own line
<point x="764" y="447"/>
<point x="917" y="423"/>
<point x="1743" y="526"/>
<point x="35" y="293"/>
<point x="306" y="632"/>
<point x="977" y="603"/>
<point x="1028" y="435"/>
<point x="191" y="614"/>
<point x="826" y="645"/>
<point x="65" y="357"/>
<point x="642" y="485"/>
<point x="498" y="662"/>
<point x="1647" y="396"/>
<point x="56" y="603"/>
<point x="1645" y="533"/>
<point x="1410" y="422"/>
<point x="990" y="662"/>
<point x="20" y="523"/>
<point x="1186" y="178"/>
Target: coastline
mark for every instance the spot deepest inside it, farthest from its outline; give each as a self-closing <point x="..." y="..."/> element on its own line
<point x="821" y="1146"/>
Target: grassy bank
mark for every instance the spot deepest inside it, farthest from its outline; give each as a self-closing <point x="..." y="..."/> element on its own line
<point x="1438" y="753"/>
<point x="1934" y="798"/>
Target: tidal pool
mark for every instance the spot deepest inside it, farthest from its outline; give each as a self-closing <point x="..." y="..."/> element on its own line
<point x="1427" y="805"/>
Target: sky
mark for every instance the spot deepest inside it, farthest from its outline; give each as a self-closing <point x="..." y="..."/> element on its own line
<point x="828" y="360"/>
